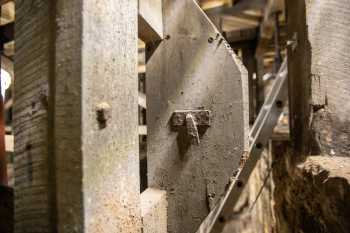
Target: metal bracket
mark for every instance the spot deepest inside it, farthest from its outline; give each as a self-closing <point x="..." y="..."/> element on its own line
<point x="259" y="136"/>
<point x="192" y="119"/>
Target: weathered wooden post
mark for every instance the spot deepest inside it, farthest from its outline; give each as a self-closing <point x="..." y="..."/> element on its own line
<point x="75" y="116"/>
<point x="195" y="86"/>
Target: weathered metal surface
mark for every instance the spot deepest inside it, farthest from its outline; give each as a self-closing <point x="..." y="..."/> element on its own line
<point x="260" y="133"/>
<point x="202" y="117"/>
<point x="194" y="68"/>
<point x="191" y="120"/>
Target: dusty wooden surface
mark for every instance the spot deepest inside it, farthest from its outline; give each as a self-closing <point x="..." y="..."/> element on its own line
<point x="329" y="32"/>
<point x="111" y="160"/>
<point x="194" y="68"/>
<point x="150" y="20"/>
<point x="75" y="117"/>
<point x="154" y="211"/>
<point x="30" y="116"/>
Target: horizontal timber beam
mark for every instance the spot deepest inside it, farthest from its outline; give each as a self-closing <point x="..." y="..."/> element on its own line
<point x="150" y="20"/>
<point x="241" y="35"/>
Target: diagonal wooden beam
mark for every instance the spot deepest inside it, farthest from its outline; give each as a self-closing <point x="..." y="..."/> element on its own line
<point x="150" y="20"/>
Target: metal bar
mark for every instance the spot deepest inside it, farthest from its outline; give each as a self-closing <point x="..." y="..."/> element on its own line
<point x="259" y="136"/>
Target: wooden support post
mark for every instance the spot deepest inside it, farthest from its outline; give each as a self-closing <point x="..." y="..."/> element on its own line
<point x="3" y="162"/>
<point x="260" y="87"/>
<point x="250" y="63"/>
<point x="154" y="211"/>
<point x="194" y="68"/>
<point x="75" y="117"/>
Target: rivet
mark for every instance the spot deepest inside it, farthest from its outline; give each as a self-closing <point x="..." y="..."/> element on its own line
<point x="259" y="145"/>
<point x="279" y="104"/>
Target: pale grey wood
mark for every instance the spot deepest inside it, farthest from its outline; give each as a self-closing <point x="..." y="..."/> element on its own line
<point x="194" y="68"/>
<point x="150" y="20"/>
<point x="73" y="59"/>
<point x="154" y="211"/>
<point x="328" y="35"/>
<point x="30" y="117"/>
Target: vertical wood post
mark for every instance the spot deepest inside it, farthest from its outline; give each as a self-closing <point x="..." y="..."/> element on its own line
<point x="75" y="116"/>
<point x="249" y="61"/>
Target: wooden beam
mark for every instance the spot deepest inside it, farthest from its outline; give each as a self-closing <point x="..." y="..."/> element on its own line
<point x="142" y="100"/>
<point x="150" y="20"/>
<point x="2" y="2"/>
<point x="75" y="117"/>
<point x="238" y="8"/>
<point x="243" y="35"/>
<point x="154" y="211"/>
<point x="142" y="130"/>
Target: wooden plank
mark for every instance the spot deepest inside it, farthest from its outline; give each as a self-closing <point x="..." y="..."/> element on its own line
<point x="2" y="2"/>
<point x="242" y="35"/>
<point x="75" y="117"/>
<point x="194" y="68"/>
<point x="154" y="211"/>
<point x="328" y="63"/>
<point x="142" y="100"/>
<point x="3" y="157"/>
<point x="150" y="20"/>
<point x="142" y="130"/>
<point x="30" y="118"/>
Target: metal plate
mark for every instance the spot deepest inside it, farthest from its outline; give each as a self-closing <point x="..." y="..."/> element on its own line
<point x="194" y="68"/>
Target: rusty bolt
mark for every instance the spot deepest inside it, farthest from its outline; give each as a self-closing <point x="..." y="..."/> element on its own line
<point x="103" y="114"/>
